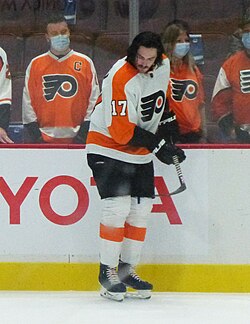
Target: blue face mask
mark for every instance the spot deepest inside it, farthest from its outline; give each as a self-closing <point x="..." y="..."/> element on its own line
<point x="60" y="43"/>
<point x="246" y="40"/>
<point x="181" y="49"/>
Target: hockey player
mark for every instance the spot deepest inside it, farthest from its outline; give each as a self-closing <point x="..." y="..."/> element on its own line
<point x="60" y="91"/>
<point x="5" y="97"/>
<point x="231" y="94"/>
<point x="121" y="138"/>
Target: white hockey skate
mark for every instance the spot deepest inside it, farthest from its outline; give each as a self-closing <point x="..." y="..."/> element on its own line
<point x="112" y="287"/>
<point x="112" y="295"/>
<point x="139" y="294"/>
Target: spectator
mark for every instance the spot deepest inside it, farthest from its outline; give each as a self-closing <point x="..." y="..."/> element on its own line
<point x="120" y="139"/>
<point x="186" y="95"/>
<point x="5" y="98"/>
<point x="235" y="43"/>
<point x="231" y="94"/>
<point x="60" y="90"/>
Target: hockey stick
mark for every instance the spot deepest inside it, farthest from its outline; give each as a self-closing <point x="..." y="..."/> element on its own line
<point x="180" y="176"/>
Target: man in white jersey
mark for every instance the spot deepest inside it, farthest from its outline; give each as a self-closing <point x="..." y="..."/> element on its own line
<point x="124" y="131"/>
<point x="5" y="97"/>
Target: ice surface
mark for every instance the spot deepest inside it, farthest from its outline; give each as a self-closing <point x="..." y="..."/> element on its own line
<point x="90" y="308"/>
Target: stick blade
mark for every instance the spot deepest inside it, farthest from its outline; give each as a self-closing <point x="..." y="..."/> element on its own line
<point x="179" y="190"/>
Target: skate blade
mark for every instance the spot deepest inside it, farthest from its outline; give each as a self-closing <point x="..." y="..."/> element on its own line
<point x="110" y="295"/>
<point x="139" y="294"/>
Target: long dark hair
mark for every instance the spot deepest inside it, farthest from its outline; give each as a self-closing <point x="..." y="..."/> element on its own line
<point x="147" y="39"/>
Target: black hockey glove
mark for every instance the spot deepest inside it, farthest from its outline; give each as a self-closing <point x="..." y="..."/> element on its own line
<point x="242" y="135"/>
<point x="34" y="133"/>
<point x="165" y="152"/>
<point x="4" y="116"/>
<point x="226" y="124"/>
<point x="169" y="127"/>
<point x="81" y="136"/>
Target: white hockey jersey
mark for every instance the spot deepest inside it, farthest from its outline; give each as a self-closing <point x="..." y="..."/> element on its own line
<point x="128" y="99"/>
<point x="5" y="79"/>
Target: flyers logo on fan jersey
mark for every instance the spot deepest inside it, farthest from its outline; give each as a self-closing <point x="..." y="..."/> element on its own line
<point x="245" y="81"/>
<point x="181" y="88"/>
<point x="63" y="85"/>
<point x="152" y="103"/>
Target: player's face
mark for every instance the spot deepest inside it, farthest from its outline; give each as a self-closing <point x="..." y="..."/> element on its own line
<point x="145" y="59"/>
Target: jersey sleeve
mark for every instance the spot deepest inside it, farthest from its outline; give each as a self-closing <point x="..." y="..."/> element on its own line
<point x="222" y="96"/>
<point x="95" y="91"/>
<point x="201" y="94"/>
<point x="121" y="117"/>
<point x="5" y="80"/>
<point x="28" y="113"/>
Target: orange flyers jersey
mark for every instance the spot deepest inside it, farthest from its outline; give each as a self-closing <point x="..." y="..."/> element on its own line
<point x="5" y="79"/>
<point x="185" y="96"/>
<point x="59" y="94"/>
<point x="232" y="89"/>
<point x="128" y="98"/>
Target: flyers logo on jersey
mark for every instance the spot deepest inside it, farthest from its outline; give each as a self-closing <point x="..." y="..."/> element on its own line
<point x="181" y="88"/>
<point x="245" y="81"/>
<point x="63" y="85"/>
<point x="152" y="103"/>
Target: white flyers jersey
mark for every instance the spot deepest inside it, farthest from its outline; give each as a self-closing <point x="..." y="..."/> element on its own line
<point x="5" y="79"/>
<point x="128" y="99"/>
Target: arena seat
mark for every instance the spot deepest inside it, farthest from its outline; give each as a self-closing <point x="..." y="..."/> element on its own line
<point x="213" y="134"/>
<point x="213" y="15"/>
<point x="208" y="84"/>
<point x="13" y="46"/>
<point x="91" y="16"/>
<point x="35" y="44"/>
<point x="16" y="129"/>
<point x="153" y="15"/>
<point x="216" y="47"/>
<point x="17" y="95"/>
<point x="17" y="17"/>
<point x="163" y="14"/>
<point x="212" y="127"/>
<point x="109" y="47"/>
<point x="82" y="43"/>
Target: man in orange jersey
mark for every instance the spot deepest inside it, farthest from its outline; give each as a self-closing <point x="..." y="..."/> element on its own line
<point x="120" y="143"/>
<point x="231" y="95"/>
<point x="60" y="90"/>
<point x="5" y="97"/>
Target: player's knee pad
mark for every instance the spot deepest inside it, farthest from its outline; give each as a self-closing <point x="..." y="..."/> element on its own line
<point x="139" y="211"/>
<point x="115" y="210"/>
